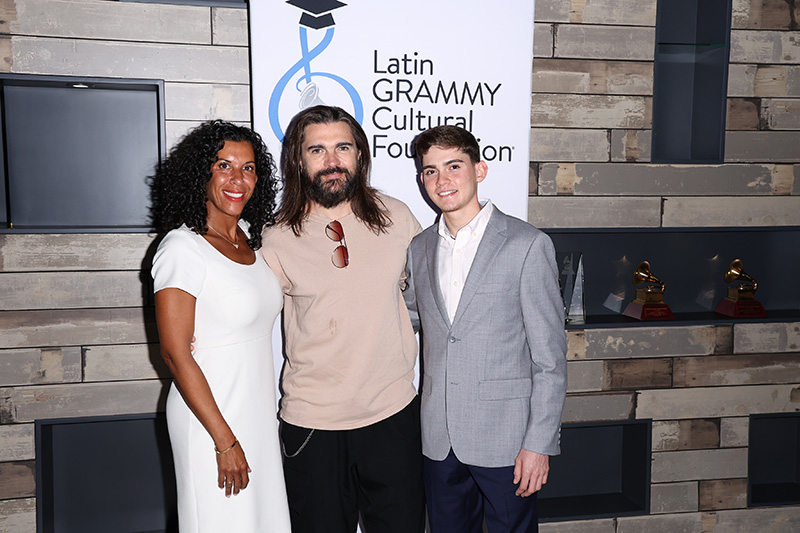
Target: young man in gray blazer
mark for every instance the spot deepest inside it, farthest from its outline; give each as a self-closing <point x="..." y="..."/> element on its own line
<point x="482" y="288"/>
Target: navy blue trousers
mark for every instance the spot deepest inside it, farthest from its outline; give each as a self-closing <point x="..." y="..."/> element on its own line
<point x="460" y="497"/>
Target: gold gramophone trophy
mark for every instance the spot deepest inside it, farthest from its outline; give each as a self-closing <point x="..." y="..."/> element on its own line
<point x="649" y="303"/>
<point x="741" y="300"/>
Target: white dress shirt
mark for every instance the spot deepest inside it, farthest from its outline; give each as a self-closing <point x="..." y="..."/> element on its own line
<point x="456" y="254"/>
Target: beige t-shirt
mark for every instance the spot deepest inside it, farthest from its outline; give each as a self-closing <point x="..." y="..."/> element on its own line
<point x="349" y="343"/>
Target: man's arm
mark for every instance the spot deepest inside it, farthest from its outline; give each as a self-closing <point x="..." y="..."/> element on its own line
<point x="409" y="295"/>
<point x="543" y="317"/>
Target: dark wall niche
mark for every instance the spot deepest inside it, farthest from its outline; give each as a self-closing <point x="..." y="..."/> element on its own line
<point x="100" y="474"/>
<point x="774" y="460"/>
<point x="603" y="470"/>
<point x="691" y="262"/>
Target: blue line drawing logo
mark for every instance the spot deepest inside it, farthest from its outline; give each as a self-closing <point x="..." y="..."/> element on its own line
<point x="316" y="15"/>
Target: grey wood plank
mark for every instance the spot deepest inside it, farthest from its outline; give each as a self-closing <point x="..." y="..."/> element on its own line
<point x="178" y="63"/>
<point x="73" y="251"/>
<point x="77" y="327"/>
<point x="72" y="290"/>
<point x="111" y="21"/>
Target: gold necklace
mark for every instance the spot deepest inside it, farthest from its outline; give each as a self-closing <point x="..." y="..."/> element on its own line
<point x="235" y="244"/>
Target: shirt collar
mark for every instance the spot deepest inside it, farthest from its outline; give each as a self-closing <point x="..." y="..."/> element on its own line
<point x="477" y="224"/>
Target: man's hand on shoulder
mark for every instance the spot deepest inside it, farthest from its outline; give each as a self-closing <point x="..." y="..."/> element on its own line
<point x="530" y="472"/>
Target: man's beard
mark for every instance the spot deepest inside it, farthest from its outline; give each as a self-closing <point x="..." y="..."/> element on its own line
<point x="329" y="193"/>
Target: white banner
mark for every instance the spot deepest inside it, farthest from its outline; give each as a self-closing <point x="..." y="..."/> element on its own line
<point x="400" y="68"/>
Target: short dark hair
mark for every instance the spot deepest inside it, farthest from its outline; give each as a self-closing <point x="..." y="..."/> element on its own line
<point x="448" y="137"/>
<point x="366" y="204"/>
<point x="178" y="188"/>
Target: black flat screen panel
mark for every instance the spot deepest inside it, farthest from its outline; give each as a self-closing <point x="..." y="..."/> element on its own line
<point x="79" y="157"/>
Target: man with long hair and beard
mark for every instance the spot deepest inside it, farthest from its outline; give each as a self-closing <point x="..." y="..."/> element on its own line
<point x="349" y="412"/>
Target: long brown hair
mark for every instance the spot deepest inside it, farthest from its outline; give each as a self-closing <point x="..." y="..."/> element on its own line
<point x="366" y="204"/>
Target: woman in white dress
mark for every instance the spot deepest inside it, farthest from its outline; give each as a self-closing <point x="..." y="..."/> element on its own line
<point x="213" y="195"/>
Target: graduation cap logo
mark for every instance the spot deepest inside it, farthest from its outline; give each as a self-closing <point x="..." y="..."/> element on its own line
<point x="316" y="13"/>
<point x="316" y="16"/>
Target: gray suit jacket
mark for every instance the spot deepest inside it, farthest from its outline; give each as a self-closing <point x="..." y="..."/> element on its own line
<point x="494" y="380"/>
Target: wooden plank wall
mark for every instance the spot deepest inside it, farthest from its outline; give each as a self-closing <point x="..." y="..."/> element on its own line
<point x="77" y="335"/>
<point x="591" y="122"/>
<point x="77" y="332"/>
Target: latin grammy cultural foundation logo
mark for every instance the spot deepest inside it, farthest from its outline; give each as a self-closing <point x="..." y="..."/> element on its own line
<point x="303" y="84"/>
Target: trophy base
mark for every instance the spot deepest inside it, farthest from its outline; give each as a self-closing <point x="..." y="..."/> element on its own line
<point x="740" y="308"/>
<point x="648" y="311"/>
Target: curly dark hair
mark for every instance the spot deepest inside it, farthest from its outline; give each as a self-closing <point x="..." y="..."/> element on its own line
<point x="178" y="188"/>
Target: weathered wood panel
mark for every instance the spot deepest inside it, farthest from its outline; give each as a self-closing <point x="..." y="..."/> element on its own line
<point x="672" y="404"/>
<point x="18" y="516"/>
<point x="777" y="80"/>
<point x="742" y="114"/>
<point x="71" y="290"/>
<point x="723" y="494"/>
<point x="602" y="525"/>
<point x="724" y="339"/>
<point x="77" y="327"/>
<point x="741" y="80"/>
<point x="693" y="465"/>
<point x="576" y="344"/>
<point x="734" y="432"/>
<point x="780" y="519"/>
<point x="575" y="212"/>
<point x="194" y="101"/>
<point x="40" y="366"/>
<point x="674" y="497"/>
<point x="625" y="179"/>
<point x="781" y="114"/>
<point x="17" y="480"/>
<point x="543" y="40"/>
<point x="111" y="21"/>
<point x="17" y="442"/>
<point x="631" y="145"/>
<point x="569" y="145"/>
<point x="736" y="370"/>
<point x="604" y="42"/>
<point x="96" y="251"/>
<point x="592" y="407"/>
<point x="229" y="26"/>
<point x="612" y="12"/>
<point x="552" y="11"/>
<point x="766" y="338"/>
<point x="584" y="376"/>
<point x="575" y="76"/>
<point x="684" y="522"/>
<point x="749" y="46"/>
<point x="589" y="111"/>
<point x="6" y="54"/>
<point x="762" y="14"/>
<point x="69" y="57"/>
<point x="695" y="434"/>
<point x="761" y="146"/>
<point x="786" y="180"/>
<point x="26" y="404"/>
<point x="615" y="343"/>
<point x="745" y="211"/>
<point x="124" y="362"/>
<point x="637" y="374"/>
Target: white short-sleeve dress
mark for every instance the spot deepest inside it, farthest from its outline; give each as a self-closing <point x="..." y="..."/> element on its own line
<point x="235" y="310"/>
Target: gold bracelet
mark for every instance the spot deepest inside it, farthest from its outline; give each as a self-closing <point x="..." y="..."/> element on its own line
<point x="229" y="448"/>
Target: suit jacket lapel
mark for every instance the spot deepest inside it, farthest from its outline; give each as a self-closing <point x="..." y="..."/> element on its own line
<point x="493" y="239"/>
<point x="432" y="254"/>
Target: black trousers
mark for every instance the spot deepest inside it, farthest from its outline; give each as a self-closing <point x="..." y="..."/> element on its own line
<point x="374" y="471"/>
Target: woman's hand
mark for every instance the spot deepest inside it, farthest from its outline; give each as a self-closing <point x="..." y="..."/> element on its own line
<point x="232" y="470"/>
